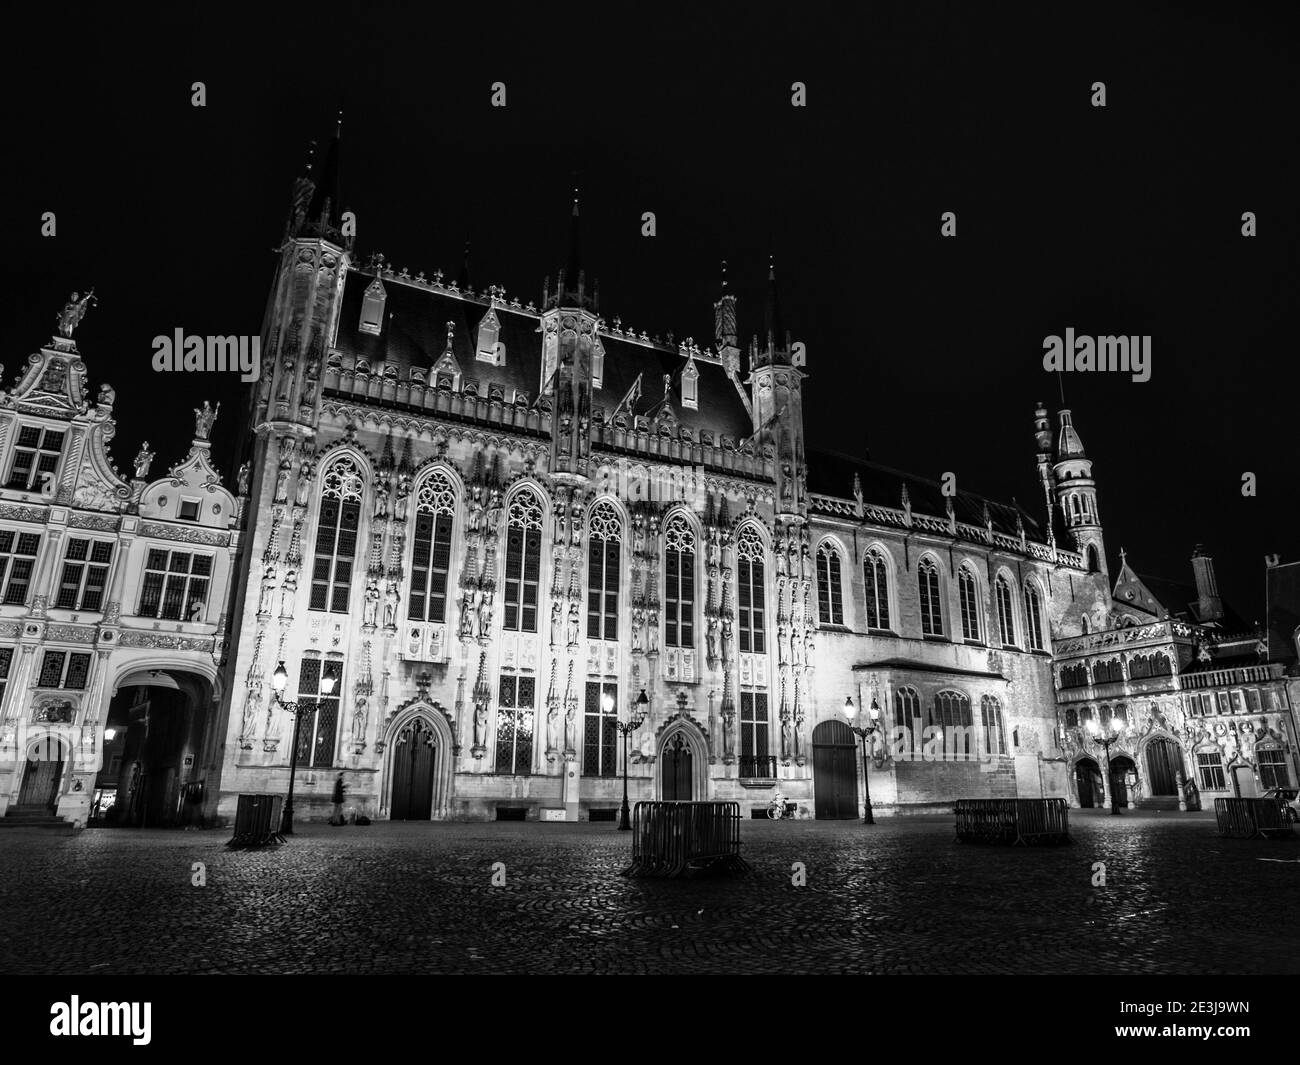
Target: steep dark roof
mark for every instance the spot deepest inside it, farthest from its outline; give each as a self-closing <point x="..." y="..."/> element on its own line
<point x="831" y="473"/>
<point x="1180" y="599"/>
<point x="416" y="335"/>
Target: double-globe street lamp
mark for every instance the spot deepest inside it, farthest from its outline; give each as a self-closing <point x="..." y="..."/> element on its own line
<point x="1108" y="734"/>
<point x="635" y="716"/>
<point x="279" y="679"/>
<point x="863" y="731"/>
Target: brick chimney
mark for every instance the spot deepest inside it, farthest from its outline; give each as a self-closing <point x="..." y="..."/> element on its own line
<point x="1208" y="604"/>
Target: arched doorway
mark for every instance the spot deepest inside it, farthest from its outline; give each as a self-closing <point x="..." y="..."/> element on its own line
<point x="835" y="772"/>
<point x="1087" y="780"/>
<point x="415" y="754"/>
<point x="1121" y="765"/>
<point x="39" y="790"/>
<point x="675" y="763"/>
<point x="1164" y="761"/>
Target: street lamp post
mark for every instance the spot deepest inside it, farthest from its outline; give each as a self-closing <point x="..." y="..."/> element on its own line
<point x="278" y="681"/>
<point x="863" y="732"/>
<point x="635" y="716"/>
<point x="1106" y="736"/>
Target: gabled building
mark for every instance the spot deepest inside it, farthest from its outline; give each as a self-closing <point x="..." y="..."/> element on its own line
<point x="112" y="605"/>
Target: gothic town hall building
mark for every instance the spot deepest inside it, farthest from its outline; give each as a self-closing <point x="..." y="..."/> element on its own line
<point x="502" y="530"/>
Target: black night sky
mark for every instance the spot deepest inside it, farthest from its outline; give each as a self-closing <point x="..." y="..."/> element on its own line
<point x="927" y="350"/>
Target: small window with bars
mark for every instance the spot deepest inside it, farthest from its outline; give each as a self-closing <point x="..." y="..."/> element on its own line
<point x="36" y="452"/>
<point x="1272" y="768"/>
<point x="64" y="669"/>
<point x="6" y="663"/>
<point x="17" y="558"/>
<point x="1210" y="764"/>
<point x="175" y="584"/>
<point x="85" y="574"/>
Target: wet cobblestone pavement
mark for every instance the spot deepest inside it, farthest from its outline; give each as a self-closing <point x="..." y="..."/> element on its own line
<point x="902" y="897"/>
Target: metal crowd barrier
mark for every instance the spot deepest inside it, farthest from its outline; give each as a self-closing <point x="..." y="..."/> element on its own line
<point x="1014" y="821"/>
<point x="257" y="821"/>
<point x="1252" y="818"/>
<point x="685" y="838"/>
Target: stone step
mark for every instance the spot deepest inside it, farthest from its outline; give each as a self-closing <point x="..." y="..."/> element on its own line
<point x="1158" y="802"/>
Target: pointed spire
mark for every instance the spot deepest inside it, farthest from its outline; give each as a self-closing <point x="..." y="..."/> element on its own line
<point x="574" y="269"/>
<point x="324" y="206"/>
<point x="724" y="322"/>
<point x="1070" y="444"/>
<point x="571" y="289"/>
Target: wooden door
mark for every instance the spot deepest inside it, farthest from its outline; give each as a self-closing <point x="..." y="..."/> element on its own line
<point x="1088" y="779"/>
<point x="1163" y="762"/>
<point x="835" y="772"/>
<point x="676" y="765"/>
<point x="414" y="756"/>
<point x="1244" y="779"/>
<point x="40" y="785"/>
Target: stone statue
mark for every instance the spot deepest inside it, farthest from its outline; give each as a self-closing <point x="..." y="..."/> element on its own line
<point x="359" y="718"/>
<point x="796" y="650"/>
<point x="251" y="702"/>
<point x="557" y="622"/>
<point x="638" y="537"/>
<point x="403" y="499"/>
<point x="282" y="481"/>
<point x="241" y="479"/>
<point x="381" y="502"/>
<point x="573" y="624"/>
<point x="203" y="420"/>
<point x="74" y="311"/>
<point x="107" y="396"/>
<point x="652" y="632"/>
<point x="782" y="645"/>
<point x="480" y="724"/>
<point x="485" y="616"/>
<point x="289" y="590"/>
<point x="467" y="614"/>
<point x="726" y="638"/>
<point x="638" y="624"/>
<point x="390" y="605"/>
<point x="304" y="484"/>
<point x="268" y="590"/>
<point x="143" y="460"/>
<point x="494" y="513"/>
<point x="711" y="639"/>
<point x="370" y="610"/>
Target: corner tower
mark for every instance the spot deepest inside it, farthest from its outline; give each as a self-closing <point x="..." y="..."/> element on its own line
<point x="1076" y="494"/>
<point x="777" y="388"/>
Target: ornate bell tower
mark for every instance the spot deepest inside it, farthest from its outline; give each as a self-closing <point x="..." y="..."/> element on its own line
<point x="776" y="382"/>
<point x="1076" y="494"/>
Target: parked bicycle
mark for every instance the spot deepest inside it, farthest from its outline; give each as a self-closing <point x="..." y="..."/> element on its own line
<point x="777" y="808"/>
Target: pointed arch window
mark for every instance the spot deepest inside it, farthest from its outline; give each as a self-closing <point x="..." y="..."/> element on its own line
<point x="968" y="595"/>
<point x="995" y="736"/>
<point x="951" y="712"/>
<point x="523" y="561"/>
<point x="691" y="386"/>
<point x="876" y="578"/>
<point x="907" y="714"/>
<point x="679" y="582"/>
<point x="372" y="308"/>
<point x="338" y="521"/>
<point x="751" y="613"/>
<point x="1033" y="618"/>
<point x="830" y="593"/>
<point x="435" y="509"/>
<point x="604" y="545"/>
<point x="1006" y="619"/>
<point x="927" y="579"/>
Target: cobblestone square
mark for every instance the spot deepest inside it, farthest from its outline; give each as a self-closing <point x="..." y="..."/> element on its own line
<point x="902" y="897"/>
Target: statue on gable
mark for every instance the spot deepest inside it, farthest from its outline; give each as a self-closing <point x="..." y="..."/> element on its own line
<point x="74" y="311"/>
<point x="242" y="479"/>
<point x="143" y="461"/>
<point x="107" y="396"/>
<point x="203" y="420"/>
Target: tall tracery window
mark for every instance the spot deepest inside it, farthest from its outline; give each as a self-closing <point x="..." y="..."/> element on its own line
<point x="600" y="730"/>
<point x="679" y="582"/>
<point x="907" y="713"/>
<point x="435" y="508"/>
<point x="1033" y="618"/>
<point x="968" y="594"/>
<point x="523" y="561"/>
<point x="830" y="593"/>
<point x="952" y="712"/>
<point x="751" y="616"/>
<point x="995" y="736"/>
<point x="515" y="710"/>
<point x="1006" y="620"/>
<point x="876" y="577"/>
<point x="604" y="543"/>
<point x="336" y="537"/>
<point x="927" y="579"/>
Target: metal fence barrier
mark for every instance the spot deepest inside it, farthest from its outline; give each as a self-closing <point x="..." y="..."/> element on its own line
<point x="685" y="838"/>
<point x="1014" y="821"/>
<point x="1253" y="818"/>
<point x="257" y="821"/>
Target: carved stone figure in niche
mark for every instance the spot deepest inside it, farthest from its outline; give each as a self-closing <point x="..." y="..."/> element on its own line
<point x="268" y="591"/>
<point x="638" y="624"/>
<point x="381" y="501"/>
<point x="370" y="609"/>
<point x="290" y="589"/>
<point x="726" y="638"/>
<point x="282" y="480"/>
<point x="573" y="624"/>
<point x="480" y="724"/>
<point x="711" y="638"/>
<point x="304" y="484"/>
<point x="403" y="499"/>
<point x="652" y="632"/>
<point x="204" y="417"/>
<point x="251" y="703"/>
<point x="467" y="613"/>
<point x="390" y="605"/>
<point x="782" y="645"/>
<point x="241" y="479"/>
<point x="796" y="650"/>
<point x="638" y="537"/>
<point x="557" y="622"/>
<point x="715" y="550"/>
<point x="360" y="717"/>
<point x="781" y="569"/>
<point x="485" y="616"/>
<point x="494" y="510"/>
